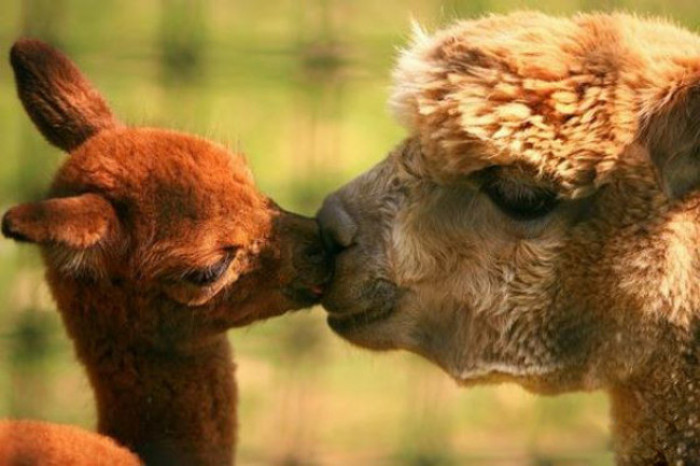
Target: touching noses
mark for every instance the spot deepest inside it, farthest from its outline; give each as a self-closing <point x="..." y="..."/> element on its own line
<point x="338" y="229"/>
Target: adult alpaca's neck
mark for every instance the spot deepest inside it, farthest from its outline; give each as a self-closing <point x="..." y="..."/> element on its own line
<point x="656" y="415"/>
<point x="170" y="407"/>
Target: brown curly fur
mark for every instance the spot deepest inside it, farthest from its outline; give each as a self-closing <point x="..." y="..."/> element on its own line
<point x="601" y="292"/>
<point x="155" y="243"/>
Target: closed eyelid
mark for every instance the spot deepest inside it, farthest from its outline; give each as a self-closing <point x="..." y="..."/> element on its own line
<point x="179" y="269"/>
<point x="210" y="273"/>
<point x="226" y="256"/>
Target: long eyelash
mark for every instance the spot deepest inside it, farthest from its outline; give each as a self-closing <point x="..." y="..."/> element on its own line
<point x="520" y="202"/>
<point x="210" y="274"/>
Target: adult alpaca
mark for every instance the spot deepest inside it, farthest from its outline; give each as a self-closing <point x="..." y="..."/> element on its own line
<point x="155" y="244"/>
<point x="540" y="222"/>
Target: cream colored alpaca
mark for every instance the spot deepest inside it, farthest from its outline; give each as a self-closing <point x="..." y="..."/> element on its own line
<point x="540" y="224"/>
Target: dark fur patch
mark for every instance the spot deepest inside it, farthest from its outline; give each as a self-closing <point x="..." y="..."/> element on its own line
<point x="63" y="105"/>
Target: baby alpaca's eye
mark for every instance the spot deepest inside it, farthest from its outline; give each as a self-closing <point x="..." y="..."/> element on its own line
<point x="212" y="273"/>
<point x="520" y="201"/>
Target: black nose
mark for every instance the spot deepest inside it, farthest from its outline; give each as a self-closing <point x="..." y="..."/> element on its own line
<point x="338" y="229"/>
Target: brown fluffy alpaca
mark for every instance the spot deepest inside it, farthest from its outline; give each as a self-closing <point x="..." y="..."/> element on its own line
<point x="155" y="244"/>
<point x="541" y="222"/>
<point x="28" y="443"/>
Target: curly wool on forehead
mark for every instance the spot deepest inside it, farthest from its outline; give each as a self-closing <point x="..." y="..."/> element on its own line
<point x="564" y="96"/>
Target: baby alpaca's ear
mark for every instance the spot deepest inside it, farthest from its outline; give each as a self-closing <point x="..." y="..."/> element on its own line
<point x="77" y="222"/>
<point x="61" y="102"/>
<point x="673" y="140"/>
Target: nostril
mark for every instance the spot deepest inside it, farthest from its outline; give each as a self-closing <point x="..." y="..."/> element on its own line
<point x="329" y="242"/>
<point x="338" y="229"/>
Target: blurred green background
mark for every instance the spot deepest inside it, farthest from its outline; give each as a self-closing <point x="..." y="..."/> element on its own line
<point x="300" y="86"/>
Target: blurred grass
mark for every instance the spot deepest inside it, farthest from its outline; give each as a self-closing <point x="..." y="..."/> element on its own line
<point x="300" y="86"/>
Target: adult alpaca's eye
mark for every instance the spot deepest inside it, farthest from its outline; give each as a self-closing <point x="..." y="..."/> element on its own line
<point x="212" y="273"/>
<point x="520" y="201"/>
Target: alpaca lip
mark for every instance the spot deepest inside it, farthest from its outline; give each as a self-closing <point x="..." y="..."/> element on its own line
<point x="377" y="303"/>
<point x="342" y="323"/>
<point x="376" y="295"/>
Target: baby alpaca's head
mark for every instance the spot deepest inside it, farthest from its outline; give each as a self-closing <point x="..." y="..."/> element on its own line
<point x="163" y="233"/>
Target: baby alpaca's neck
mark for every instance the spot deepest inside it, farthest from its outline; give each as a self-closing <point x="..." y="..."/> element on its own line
<point x="170" y="407"/>
<point x="656" y="418"/>
<point x="164" y="393"/>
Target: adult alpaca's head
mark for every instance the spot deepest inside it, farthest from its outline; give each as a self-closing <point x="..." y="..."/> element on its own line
<point x="540" y="223"/>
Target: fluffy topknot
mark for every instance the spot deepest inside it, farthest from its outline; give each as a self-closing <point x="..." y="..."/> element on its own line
<point x="564" y="96"/>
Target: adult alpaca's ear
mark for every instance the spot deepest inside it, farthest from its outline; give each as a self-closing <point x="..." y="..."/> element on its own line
<point x="673" y="141"/>
<point x="78" y="222"/>
<point x="61" y="102"/>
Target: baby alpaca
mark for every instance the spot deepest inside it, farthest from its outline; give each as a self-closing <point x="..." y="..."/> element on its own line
<point x="155" y="244"/>
<point x="29" y="443"/>
<point x="540" y="223"/>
